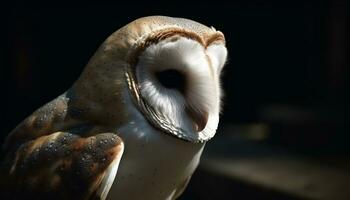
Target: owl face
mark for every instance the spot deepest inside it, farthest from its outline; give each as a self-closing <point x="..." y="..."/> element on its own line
<point x="179" y="87"/>
<point x="171" y="67"/>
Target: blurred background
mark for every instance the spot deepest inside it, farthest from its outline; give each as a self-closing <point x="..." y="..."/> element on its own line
<point x="283" y="133"/>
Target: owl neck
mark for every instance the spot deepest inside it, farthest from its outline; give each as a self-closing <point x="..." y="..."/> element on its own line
<point x="97" y="94"/>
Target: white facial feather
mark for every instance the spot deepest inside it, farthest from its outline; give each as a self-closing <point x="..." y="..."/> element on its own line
<point x="218" y="54"/>
<point x="200" y="66"/>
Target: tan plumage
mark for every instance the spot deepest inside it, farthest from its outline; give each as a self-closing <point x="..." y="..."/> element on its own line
<point x="71" y="147"/>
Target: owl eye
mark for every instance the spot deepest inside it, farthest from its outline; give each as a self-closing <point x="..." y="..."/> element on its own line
<point x="172" y="79"/>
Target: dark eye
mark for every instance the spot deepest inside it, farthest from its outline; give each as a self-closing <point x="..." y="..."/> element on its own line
<point x="172" y="79"/>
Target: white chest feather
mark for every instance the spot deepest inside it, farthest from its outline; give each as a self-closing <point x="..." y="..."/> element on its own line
<point x="154" y="164"/>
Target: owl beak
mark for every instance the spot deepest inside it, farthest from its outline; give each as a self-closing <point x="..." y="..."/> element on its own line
<point x="199" y="119"/>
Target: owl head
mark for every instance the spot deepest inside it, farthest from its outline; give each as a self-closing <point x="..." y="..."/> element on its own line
<point x="171" y="68"/>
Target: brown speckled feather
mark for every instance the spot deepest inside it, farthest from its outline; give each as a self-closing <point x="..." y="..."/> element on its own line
<point x="62" y="165"/>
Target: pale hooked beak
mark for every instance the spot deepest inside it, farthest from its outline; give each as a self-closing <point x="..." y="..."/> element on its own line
<point x="200" y="119"/>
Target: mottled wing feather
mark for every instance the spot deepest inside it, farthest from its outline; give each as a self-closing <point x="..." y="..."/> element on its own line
<point x="63" y="166"/>
<point x="48" y="119"/>
<point x="109" y="176"/>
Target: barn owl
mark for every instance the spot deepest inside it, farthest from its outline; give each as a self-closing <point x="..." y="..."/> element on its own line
<point x="134" y="124"/>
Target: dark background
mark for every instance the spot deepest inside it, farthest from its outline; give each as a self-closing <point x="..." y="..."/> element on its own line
<point x="288" y="62"/>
